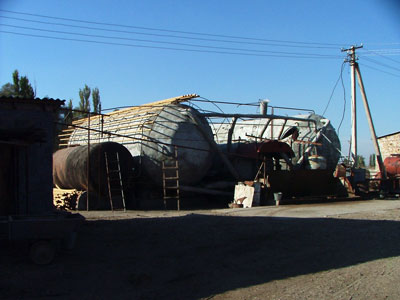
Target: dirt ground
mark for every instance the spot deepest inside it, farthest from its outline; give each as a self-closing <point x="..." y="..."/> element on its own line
<point x="345" y="250"/>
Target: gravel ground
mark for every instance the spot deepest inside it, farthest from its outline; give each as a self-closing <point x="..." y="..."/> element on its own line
<point x="348" y="250"/>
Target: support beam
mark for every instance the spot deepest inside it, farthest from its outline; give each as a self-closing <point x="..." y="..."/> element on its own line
<point x="382" y="168"/>
<point x="215" y="147"/>
<point x="230" y="133"/>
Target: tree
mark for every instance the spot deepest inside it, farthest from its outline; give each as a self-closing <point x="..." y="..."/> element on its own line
<point x="360" y="161"/>
<point x="7" y="90"/>
<point x="20" y="87"/>
<point x="68" y="113"/>
<point x="372" y="160"/>
<point x="84" y="104"/>
<point x="96" y="100"/>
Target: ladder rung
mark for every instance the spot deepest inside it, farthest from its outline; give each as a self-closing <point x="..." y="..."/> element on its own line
<point x="113" y="171"/>
<point x="172" y="197"/>
<point x="171" y="178"/>
<point x="172" y="187"/>
<point x="170" y="168"/>
<point x="110" y="161"/>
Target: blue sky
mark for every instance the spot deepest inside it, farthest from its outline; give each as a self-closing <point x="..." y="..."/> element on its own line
<point x="128" y="75"/>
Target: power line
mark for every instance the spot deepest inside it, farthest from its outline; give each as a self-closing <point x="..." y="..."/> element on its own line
<point x="163" y="48"/>
<point x="379" y="70"/>
<point x="169" y="36"/>
<point x="381" y="64"/>
<point x="168" y="30"/>
<point x="344" y="102"/>
<point x="388" y="51"/>
<point x="169" y="43"/>
<point x="381" y="55"/>
<point x="333" y="90"/>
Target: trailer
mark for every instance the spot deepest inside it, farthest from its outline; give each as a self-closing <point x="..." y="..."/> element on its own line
<point x="45" y="234"/>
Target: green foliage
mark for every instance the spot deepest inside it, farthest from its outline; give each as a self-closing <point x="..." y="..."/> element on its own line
<point x="84" y="103"/>
<point x="96" y="100"/>
<point x="84" y="95"/>
<point x="360" y="161"/>
<point x="7" y="90"/>
<point x="20" y="87"/>
<point x="372" y="160"/>
<point x="68" y="113"/>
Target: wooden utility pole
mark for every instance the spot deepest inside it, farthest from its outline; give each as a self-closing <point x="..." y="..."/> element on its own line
<point x="352" y="60"/>
<point x="382" y="168"/>
<point x="355" y="69"/>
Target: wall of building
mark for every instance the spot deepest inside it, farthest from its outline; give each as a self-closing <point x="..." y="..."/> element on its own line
<point x="389" y="144"/>
<point x="26" y="137"/>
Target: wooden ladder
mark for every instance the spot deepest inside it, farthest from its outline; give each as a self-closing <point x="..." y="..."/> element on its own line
<point x="114" y="179"/>
<point x="170" y="172"/>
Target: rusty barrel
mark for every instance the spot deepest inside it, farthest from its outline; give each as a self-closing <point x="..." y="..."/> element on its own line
<point x="70" y="166"/>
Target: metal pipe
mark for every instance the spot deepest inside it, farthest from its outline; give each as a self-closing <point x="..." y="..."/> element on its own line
<point x="230" y="133"/>
<point x="88" y="162"/>
<point x="216" y="148"/>
<point x="283" y="127"/>
<point x="265" y="128"/>
<point x="272" y="124"/>
<point x="382" y="168"/>
<point x="256" y="116"/>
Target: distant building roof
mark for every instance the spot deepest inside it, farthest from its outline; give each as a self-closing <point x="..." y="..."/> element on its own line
<point x="383" y="136"/>
<point x="17" y="102"/>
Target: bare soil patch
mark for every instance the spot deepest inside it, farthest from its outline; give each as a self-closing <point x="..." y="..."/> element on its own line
<point x="217" y="255"/>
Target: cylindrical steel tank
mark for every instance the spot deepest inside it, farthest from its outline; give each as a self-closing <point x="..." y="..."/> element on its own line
<point x="176" y="125"/>
<point x="392" y="165"/>
<point x="150" y="133"/>
<point x="70" y="166"/>
<point x="316" y="137"/>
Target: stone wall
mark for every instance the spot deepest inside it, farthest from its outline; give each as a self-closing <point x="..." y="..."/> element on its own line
<point x="389" y="144"/>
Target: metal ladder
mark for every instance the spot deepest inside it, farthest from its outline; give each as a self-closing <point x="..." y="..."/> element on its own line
<point x="114" y="179"/>
<point x="170" y="172"/>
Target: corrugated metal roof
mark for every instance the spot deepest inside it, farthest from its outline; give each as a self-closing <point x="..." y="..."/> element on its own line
<point x="42" y="101"/>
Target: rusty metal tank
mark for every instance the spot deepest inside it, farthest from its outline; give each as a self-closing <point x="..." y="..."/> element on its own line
<point x="392" y="165"/>
<point x="151" y="132"/>
<point x="70" y="166"/>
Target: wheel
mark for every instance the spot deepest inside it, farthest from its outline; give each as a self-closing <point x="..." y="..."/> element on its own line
<point x="42" y="252"/>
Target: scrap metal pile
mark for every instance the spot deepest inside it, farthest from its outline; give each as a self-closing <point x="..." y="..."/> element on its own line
<point x="215" y="149"/>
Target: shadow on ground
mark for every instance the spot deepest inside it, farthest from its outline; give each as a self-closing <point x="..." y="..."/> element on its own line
<point x="196" y="256"/>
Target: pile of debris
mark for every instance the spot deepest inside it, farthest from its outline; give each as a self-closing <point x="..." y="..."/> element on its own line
<point x="65" y="199"/>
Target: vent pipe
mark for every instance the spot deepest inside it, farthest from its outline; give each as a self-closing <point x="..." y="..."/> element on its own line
<point x="264" y="107"/>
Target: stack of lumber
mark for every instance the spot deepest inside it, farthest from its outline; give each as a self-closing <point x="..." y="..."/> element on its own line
<point x="65" y="199"/>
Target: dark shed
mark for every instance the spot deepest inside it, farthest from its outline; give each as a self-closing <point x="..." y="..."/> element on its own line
<point x="26" y="147"/>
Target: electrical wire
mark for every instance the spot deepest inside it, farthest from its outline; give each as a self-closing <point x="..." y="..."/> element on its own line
<point x="333" y="90"/>
<point x="379" y="70"/>
<point x="168" y="30"/>
<point x="164" y="48"/>
<point x="344" y="103"/>
<point x="169" y="36"/>
<point x="381" y="55"/>
<point x="169" y="43"/>
<point x="381" y="64"/>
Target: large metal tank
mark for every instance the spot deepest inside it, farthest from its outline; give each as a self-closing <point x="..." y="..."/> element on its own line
<point x="150" y="133"/>
<point x="70" y="166"/>
<point x="316" y="135"/>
